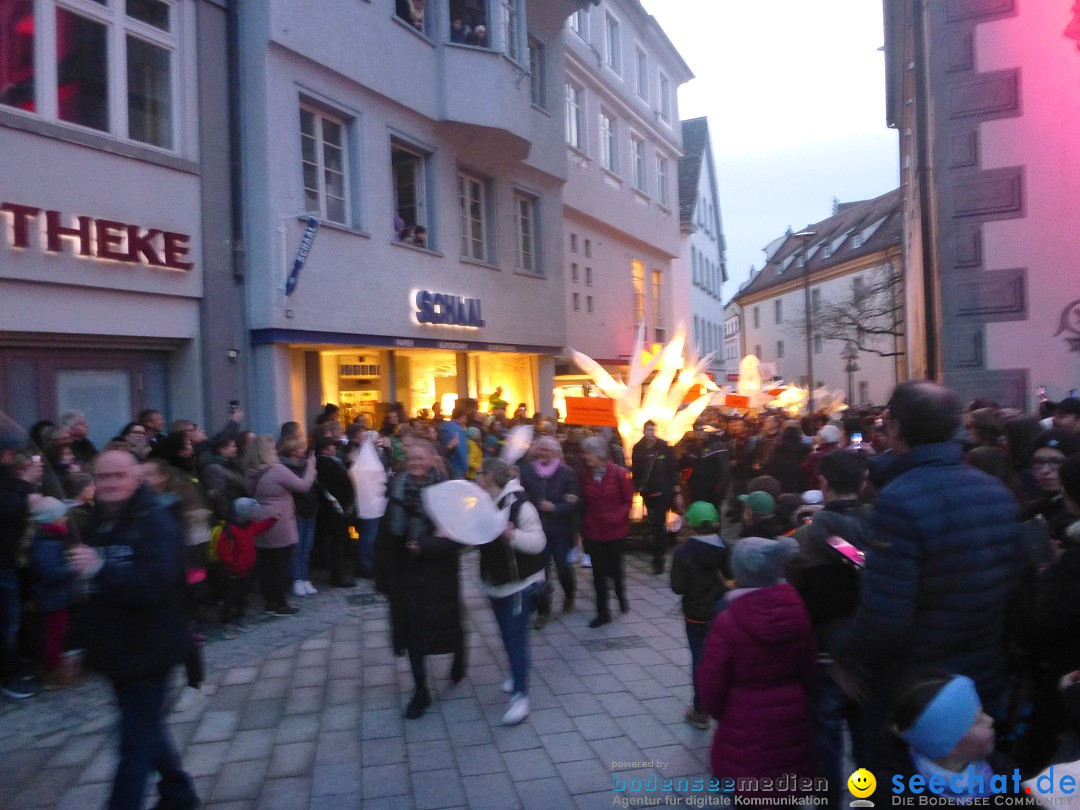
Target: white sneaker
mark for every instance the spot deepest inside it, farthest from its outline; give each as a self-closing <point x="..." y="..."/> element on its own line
<point x="518" y="711"/>
<point x="586" y="561"/>
<point x="189" y="699"/>
<point x="309" y="589"/>
<point x="508" y="685"/>
<point x="298" y="588"/>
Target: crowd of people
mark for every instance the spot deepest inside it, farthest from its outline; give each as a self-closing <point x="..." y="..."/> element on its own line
<point x="906" y="574"/>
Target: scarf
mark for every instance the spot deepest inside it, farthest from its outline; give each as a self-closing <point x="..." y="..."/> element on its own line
<point x="546" y="470"/>
<point x="406" y="511"/>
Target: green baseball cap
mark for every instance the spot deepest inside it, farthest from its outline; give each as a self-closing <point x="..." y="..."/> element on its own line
<point x="760" y="503"/>
<point x="702" y="512"/>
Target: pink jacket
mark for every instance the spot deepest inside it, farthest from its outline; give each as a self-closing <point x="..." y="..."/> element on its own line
<point x="272" y="487"/>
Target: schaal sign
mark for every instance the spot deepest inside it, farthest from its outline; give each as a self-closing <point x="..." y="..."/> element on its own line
<point x="448" y="310"/>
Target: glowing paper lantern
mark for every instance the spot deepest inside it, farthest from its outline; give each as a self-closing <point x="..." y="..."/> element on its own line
<point x="464" y="512"/>
<point x="518" y="441"/>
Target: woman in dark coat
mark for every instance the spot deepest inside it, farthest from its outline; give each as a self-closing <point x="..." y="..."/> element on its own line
<point x="424" y="582"/>
<point x="787" y="460"/>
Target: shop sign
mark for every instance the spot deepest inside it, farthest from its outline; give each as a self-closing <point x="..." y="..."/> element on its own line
<point x="448" y="310"/>
<point x="104" y="239"/>
<point x="448" y="344"/>
<point x="597" y="411"/>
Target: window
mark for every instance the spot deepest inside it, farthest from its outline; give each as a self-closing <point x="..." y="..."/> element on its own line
<point x="473" y="212"/>
<point x="576" y="298"/>
<point x="778" y="310"/>
<point x="637" y="160"/>
<point x="642" y="73"/>
<point x="511" y="28"/>
<point x="409" y="167"/>
<point x="575" y="116"/>
<point x="573" y="243"/>
<point x="658" y="310"/>
<point x="579" y="24"/>
<point x="662" y="181"/>
<point x="857" y="241"/>
<point x="757" y="351"/>
<point x="757" y="319"/>
<point x="637" y="272"/>
<point x="537" y="72"/>
<point x="697" y="334"/>
<point x="613" y="44"/>
<point x="588" y="276"/>
<point x="589" y="304"/>
<point x="525" y="232"/>
<point x="815" y="301"/>
<point x="413" y="14"/>
<point x="323" y="158"/>
<point x="573" y="271"/>
<point x="864" y="392"/>
<point x="818" y="344"/>
<point x="663" y="98"/>
<point x="115" y="64"/>
<point x="609" y="144"/>
<point x="779" y="350"/>
<point x="469" y="24"/>
<point x="588" y="248"/>
<point x="858" y="290"/>
<point x="693" y="264"/>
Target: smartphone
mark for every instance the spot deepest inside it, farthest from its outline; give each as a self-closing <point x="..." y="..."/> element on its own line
<point x="234" y="405"/>
<point x="856" y="438"/>
<point x="851" y="554"/>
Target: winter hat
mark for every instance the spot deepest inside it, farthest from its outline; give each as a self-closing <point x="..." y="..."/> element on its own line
<point x="473" y="433"/>
<point x="702" y="512"/>
<point x="760" y="503"/>
<point x="813" y="497"/>
<point x="48" y="510"/>
<point x="945" y="720"/>
<point x="759" y="563"/>
<point x="1060" y="440"/>
<point x="242" y="509"/>
<point x="830" y="434"/>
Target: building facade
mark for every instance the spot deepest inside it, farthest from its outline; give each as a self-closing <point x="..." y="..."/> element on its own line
<point x="847" y="269"/>
<point x="114" y="123"/>
<point x="426" y="144"/>
<point x="701" y="269"/>
<point x="990" y="191"/>
<point x="733" y="343"/>
<point x="621" y="148"/>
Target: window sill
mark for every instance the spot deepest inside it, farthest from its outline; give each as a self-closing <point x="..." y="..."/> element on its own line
<point x="337" y="226"/>
<point x="542" y="109"/>
<point x="475" y="48"/>
<point x="612" y="176"/>
<point x="417" y="248"/>
<point x="578" y="152"/>
<point x="478" y="263"/>
<point x="529" y="274"/>
<point x="414" y="31"/>
<point x="665" y="209"/>
<point x="642" y="195"/>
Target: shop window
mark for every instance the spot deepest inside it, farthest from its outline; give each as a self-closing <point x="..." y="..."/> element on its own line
<point x="537" y="73"/>
<point x="575" y="116"/>
<point x="324" y="158"/>
<point x="115" y="61"/>
<point x="410" y="168"/>
<point x="526" y="232"/>
<point x="473" y="196"/>
<point x="609" y="142"/>
<point x="637" y="161"/>
<point x="662" y="181"/>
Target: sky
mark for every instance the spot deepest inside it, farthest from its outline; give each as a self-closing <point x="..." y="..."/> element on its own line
<point x="795" y="95"/>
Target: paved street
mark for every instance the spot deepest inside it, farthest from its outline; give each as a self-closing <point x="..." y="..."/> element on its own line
<point x="306" y="712"/>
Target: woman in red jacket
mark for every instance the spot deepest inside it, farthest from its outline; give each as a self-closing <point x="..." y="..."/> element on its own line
<point x="758" y="659"/>
<point x="606" y="491"/>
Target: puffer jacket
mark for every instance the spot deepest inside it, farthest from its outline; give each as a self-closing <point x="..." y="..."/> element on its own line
<point x="697" y="575"/>
<point x="607" y="505"/>
<point x="758" y="659"/>
<point x="945" y="560"/>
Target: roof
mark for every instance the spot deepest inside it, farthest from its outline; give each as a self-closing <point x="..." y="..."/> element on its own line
<point x="695" y="140"/>
<point x="878" y="221"/>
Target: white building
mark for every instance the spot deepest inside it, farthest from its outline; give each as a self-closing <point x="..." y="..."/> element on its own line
<point x="701" y="269"/>
<point x="386" y="126"/>
<point x="622" y="143"/>
<point x="840" y="266"/>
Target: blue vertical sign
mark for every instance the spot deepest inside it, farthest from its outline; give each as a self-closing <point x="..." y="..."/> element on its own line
<point x="301" y="255"/>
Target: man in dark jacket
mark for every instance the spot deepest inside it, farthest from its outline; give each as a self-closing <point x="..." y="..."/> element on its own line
<point x="945" y="557"/>
<point x="135" y="565"/>
<point x="15" y="493"/>
<point x="656" y="477"/>
<point x="337" y="506"/>
<point x="709" y="463"/>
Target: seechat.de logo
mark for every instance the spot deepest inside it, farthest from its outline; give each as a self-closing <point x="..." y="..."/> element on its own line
<point x="862" y="785"/>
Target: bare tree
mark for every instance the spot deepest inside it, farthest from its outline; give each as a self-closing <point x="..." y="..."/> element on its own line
<point x="869" y="316"/>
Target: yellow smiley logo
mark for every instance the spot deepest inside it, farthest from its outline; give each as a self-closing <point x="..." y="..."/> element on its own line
<point x="862" y="783"/>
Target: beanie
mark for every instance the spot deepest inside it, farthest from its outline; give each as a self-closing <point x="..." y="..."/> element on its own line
<point x="758" y="563"/>
<point x="945" y="720"/>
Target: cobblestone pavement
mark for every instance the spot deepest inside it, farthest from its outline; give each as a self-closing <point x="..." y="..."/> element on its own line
<point x="306" y="712"/>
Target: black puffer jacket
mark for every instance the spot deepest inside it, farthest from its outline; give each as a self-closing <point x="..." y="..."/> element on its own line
<point x="697" y="575"/>
<point x="137" y="625"/>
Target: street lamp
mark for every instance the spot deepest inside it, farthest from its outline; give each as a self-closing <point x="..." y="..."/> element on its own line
<point x="849" y="354"/>
<point x="804" y="238"/>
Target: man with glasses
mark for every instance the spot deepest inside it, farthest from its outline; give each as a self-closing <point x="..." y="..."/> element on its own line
<point x="944" y="555"/>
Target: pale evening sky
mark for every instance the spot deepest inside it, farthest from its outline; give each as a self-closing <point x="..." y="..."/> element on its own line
<point x="795" y="95"/>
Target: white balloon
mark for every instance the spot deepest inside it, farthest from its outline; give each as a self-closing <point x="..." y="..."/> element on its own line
<point x="464" y="512"/>
<point x="517" y="443"/>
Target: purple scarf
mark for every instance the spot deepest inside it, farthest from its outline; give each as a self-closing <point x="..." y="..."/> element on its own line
<point x="546" y="470"/>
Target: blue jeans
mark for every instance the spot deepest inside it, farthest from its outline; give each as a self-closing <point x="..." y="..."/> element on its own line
<point x="830" y="709"/>
<point x="368" y="529"/>
<point x="696" y="633"/>
<point x="305" y="530"/>
<point x="513" y="615"/>
<point x="145" y="744"/>
<point x="10" y="616"/>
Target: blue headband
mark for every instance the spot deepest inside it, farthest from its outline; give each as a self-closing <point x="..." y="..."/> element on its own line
<point x="945" y="720"/>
